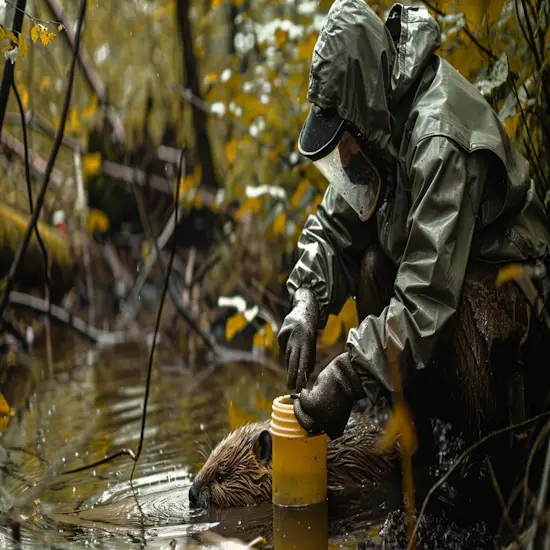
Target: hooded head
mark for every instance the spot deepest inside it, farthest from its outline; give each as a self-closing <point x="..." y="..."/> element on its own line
<point x="359" y="70"/>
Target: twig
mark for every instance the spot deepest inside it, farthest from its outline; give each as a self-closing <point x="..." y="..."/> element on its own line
<point x="82" y="208"/>
<point x="9" y="67"/>
<point x="157" y="326"/>
<point x="505" y="511"/>
<point x="93" y="334"/>
<point x="29" y="182"/>
<point x="466" y="30"/>
<point x="128" y="452"/>
<point x="207" y="338"/>
<point x="11" y="328"/>
<point x="47" y="260"/>
<point x="86" y="65"/>
<point x="542" y="495"/>
<point x="42" y="194"/>
<point x="465" y="454"/>
<point x="38" y="164"/>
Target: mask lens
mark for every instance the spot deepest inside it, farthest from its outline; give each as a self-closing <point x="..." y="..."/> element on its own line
<point x="358" y="183"/>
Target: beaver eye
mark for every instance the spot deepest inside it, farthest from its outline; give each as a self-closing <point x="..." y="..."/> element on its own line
<point x="220" y="477"/>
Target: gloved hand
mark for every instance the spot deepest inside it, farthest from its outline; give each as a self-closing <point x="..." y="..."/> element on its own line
<point x="298" y="337"/>
<point x="327" y="406"/>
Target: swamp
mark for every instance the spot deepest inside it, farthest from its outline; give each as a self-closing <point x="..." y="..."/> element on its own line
<point x="152" y="197"/>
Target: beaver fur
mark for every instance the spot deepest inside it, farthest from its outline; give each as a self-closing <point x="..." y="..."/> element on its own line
<point x="238" y="471"/>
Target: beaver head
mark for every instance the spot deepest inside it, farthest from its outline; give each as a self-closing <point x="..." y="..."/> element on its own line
<point x="237" y="472"/>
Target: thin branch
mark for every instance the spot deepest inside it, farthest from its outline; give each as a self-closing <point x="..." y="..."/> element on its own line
<point x="86" y="66"/>
<point x="157" y="326"/>
<point x="466" y="30"/>
<point x="94" y="335"/>
<point x="465" y="454"/>
<point x="49" y="168"/>
<point x="128" y="452"/>
<point x="29" y="183"/>
<point x="9" y="67"/>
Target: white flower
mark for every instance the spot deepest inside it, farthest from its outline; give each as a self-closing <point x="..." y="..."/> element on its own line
<point x="12" y="54"/>
<point x="226" y="75"/>
<point x="217" y="108"/>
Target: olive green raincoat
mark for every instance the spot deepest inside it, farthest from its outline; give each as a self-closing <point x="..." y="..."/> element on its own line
<point x="455" y="187"/>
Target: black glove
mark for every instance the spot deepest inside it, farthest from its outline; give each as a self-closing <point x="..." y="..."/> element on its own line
<point x="327" y="406"/>
<point x="298" y="338"/>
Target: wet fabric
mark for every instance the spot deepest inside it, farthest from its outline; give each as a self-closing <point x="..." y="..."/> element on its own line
<point x="455" y="188"/>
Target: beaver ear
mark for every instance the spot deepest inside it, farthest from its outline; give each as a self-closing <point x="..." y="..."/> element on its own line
<point x="262" y="447"/>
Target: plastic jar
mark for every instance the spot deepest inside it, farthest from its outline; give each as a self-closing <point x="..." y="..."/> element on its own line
<point x="299" y="460"/>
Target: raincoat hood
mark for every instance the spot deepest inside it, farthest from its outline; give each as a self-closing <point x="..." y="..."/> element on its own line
<point x="361" y="67"/>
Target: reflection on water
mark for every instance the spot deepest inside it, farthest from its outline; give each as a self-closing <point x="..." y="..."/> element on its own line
<point x="93" y="408"/>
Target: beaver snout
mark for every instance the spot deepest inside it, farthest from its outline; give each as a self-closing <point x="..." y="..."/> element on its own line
<point x="194" y="496"/>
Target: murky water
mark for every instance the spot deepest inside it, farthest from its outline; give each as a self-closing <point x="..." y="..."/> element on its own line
<point x="93" y="408"/>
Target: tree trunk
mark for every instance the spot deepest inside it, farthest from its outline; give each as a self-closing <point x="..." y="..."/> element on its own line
<point x="191" y="82"/>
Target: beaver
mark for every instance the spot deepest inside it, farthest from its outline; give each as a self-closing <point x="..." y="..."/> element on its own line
<point x="238" y="470"/>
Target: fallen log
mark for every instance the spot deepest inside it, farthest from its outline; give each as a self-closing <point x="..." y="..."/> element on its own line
<point x="32" y="273"/>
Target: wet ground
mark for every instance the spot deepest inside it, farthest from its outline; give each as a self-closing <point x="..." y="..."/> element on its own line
<point x="93" y="408"/>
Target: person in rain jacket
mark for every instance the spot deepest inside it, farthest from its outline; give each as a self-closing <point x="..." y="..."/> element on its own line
<point x="427" y="197"/>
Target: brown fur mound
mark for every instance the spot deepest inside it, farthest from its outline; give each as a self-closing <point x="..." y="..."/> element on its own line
<point x="238" y="471"/>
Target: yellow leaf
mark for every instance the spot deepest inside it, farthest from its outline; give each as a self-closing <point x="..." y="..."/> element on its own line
<point x="299" y="193"/>
<point x="258" y="341"/>
<point x="231" y="151"/>
<point x="91" y="109"/>
<point x="511" y="124"/>
<point x="11" y="36"/>
<point x="316" y="203"/>
<point x="4" y="412"/>
<point x="348" y="314"/>
<point x="509" y="273"/>
<point x="264" y="338"/>
<point x="60" y="28"/>
<point x="332" y="330"/>
<point x="75" y="123"/>
<point x="97" y="221"/>
<point x="24" y="95"/>
<point x="305" y="48"/>
<point x="281" y="37"/>
<point x="35" y="32"/>
<point x="45" y="83"/>
<point x="217" y="3"/>
<point x="269" y="336"/>
<point x="146" y="247"/>
<point x="2" y="33"/>
<point x="400" y="426"/>
<point x="234" y="324"/>
<point x="197" y="201"/>
<point x="45" y="36"/>
<point x="279" y="224"/>
<point x="23" y="47"/>
<point x="251" y="204"/>
<point x="91" y="164"/>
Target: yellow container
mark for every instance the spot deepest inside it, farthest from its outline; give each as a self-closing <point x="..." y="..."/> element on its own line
<point x="304" y="528"/>
<point x="299" y="463"/>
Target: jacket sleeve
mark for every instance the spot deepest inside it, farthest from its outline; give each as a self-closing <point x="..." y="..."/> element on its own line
<point x="331" y="246"/>
<point x="446" y="186"/>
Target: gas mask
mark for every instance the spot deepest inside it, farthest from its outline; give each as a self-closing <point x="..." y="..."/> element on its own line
<point x="325" y="140"/>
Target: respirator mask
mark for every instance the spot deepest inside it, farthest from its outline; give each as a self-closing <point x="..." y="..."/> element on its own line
<point x="336" y="149"/>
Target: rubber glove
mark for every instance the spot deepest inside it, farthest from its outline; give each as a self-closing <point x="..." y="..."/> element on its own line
<point x="327" y="406"/>
<point x="297" y="338"/>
